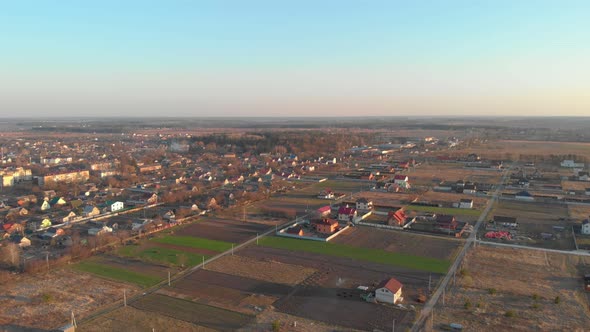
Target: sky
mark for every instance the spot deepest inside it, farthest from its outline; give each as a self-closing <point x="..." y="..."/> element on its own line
<point x="294" y="58"/>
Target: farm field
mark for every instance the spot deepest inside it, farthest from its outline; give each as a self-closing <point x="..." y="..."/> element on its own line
<point x="98" y="268"/>
<point x="192" y="312"/>
<point x="432" y="174"/>
<point x="575" y="185"/>
<point x="359" y="253"/>
<point x="267" y="270"/>
<point x="577" y="213"/>
<point x="47" y="300"/>
<point x="226" y="230"/>
<point x="525" y="300"/>
<point x="399" y="242"/>
<point x="135" y="320"/>
<point x="334" y="285"/>
<point x="157" y="254"/>
<point x="514" y="148"/>
<point x="450" y="198"/>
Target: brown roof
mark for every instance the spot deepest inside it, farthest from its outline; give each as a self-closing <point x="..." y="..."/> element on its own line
<point x="392" y="284"/>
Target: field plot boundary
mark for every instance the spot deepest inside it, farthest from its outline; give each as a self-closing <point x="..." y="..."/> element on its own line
<point x="117" y="274"/>
<point x="194" y="312"/>
<point x="194" y="242"/>
<point x="357" y="253"/>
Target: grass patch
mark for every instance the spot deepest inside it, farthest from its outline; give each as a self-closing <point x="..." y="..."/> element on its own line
<point x="194" y="242"/>
<point x="163" y="256"/>
<point x="117" y="274"/>
<point x="443" y="210"/>
<point x="361" y="254"/>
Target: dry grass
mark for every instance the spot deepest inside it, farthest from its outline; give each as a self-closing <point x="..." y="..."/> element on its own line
<point x="578" y="212"/>
<point x="575" y="185"/>
<point x="132" y="319"/>
<point x="526" y="283"/>
<point x="269" y="271"/>
<point x="47" y="300"/>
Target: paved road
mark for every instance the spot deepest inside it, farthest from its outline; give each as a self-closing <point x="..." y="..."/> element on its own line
<point x="425" y="312"/>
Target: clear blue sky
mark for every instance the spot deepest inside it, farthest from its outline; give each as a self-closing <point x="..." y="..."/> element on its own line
<point x="294" y="58"/>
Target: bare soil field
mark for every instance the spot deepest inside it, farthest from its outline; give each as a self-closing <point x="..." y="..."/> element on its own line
<point x="577" y="213"/>
<point x="135" y="320"/>
<point x="267" y="270"/>
<point x="290" y="323"/>
<point x="47" y="300"/>
<point x="398" y="241"/>
<point x="505" y="289"/>
<point x="192" y="312"/>
<point x="575" y="185"/>
<point x="227" y="230"/>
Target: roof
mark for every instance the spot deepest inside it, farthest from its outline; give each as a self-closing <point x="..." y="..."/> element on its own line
<point x="294" y="230"/>
<point x="346" y="210"/>
<point x="444" y="218"/>
<point x="362" y="200"/>
<point x="466" y="200"/>
<point x="524" y="194"/>
<point x="392" y="284"/>
<point x="326" y="208"/>
<point x="505" y="219"/>
<point x="400" y="177"/>
<point x="325" y="221"/>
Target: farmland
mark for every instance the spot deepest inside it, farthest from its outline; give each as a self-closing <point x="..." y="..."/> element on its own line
<point x="536" y="289"/>
<point x="193" y="312"/>
<point x="118" y="274"/>
<point x="135" y="320"/>
<point x="358" y="253"/>
<point x="194" y="242"/>
<point x="442" y="248"/>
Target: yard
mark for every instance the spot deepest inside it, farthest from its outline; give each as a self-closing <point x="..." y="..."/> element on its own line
<point x="443" y="210"/>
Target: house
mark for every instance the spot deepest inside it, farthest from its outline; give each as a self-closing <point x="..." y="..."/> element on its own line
<point x="446" y="221"/>
<point x="586" y="227"/>
<point x="70" y="217"/>
<point x="24" y="242"/>
<point x="588" y="191"/>
<point x="397" y="218"/>
<point x="524" y="196"/>
<point x="325" y="225"/>
<point x="509" y="222"/>
<point x="346" y="213"/>
<point x="583" y="176"/>
<point x="389" y="291"/>
<point x="169" y="215"/>
<point x="326" y="194"/>
<point x="100" y="231"/>
<point x="469" y="188"/>
<point x="401" y="180"/>
<point x="363" y="204"/>
<point x="324" y="211"/>
<point x="571" y="164"/>
<point x="45" y="206"/>
<point x="90" y="211"/>
<point x="295" y="230"/>
<point x="466" y="203"/>
<point x="45" y="223"/>
<point x="52" y="232"/>
<point x="114" y="206"/>
<point x="57" y="201"/>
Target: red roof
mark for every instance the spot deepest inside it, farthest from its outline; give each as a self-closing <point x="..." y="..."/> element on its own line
<point x="400" y="177"/>
<point x="392" y="284"/>
<point x="325" y="221"/>
<point x="323" y="209"/>
<point x="399" y="215"/>
<point x="346" y="210"/>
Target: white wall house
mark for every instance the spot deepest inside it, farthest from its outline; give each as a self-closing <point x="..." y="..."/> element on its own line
<point x="571" y="164"/>
<point x="363" y="204"/>
<point x="586" y="227"/>
<point x="115" y="206"/>
<point x="466" y="204"/>
<point x="389" y="291"/>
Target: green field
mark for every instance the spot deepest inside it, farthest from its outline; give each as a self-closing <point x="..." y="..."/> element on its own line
<point x="163" y="255"/>
<point x="361" y="254"/>
<point x="117" y="274"/>
<point x="442" y="210"/>
<point x="194" y="242"/>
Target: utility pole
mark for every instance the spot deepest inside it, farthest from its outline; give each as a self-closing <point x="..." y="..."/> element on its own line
<point x="256" y="238"/>
<point x="393" y="326"/>
<point x="74" y="320"/>
<point x="124" y="297"/>
<point x="429" y="281"/>
<point x="232" y="249"/>
<point x="168" y="278"/>
<point x="47" y="260"/>
<point x="203" y="262"/>
<point x="444" y="290"/>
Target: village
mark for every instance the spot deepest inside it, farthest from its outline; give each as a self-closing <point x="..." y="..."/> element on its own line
<point x="215" y="223"/>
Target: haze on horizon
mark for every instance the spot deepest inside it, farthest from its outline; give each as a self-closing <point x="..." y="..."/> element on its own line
<point x="299" y="58"/>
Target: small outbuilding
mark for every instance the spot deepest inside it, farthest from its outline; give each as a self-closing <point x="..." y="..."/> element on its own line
<point x="389" y="291"/>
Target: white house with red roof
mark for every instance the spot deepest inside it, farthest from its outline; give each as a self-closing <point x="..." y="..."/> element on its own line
<point x="324" y="211"/>
<point x="346" y="213"/>
<point x="389" y="291"/>
<point x="401" y="180"/>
